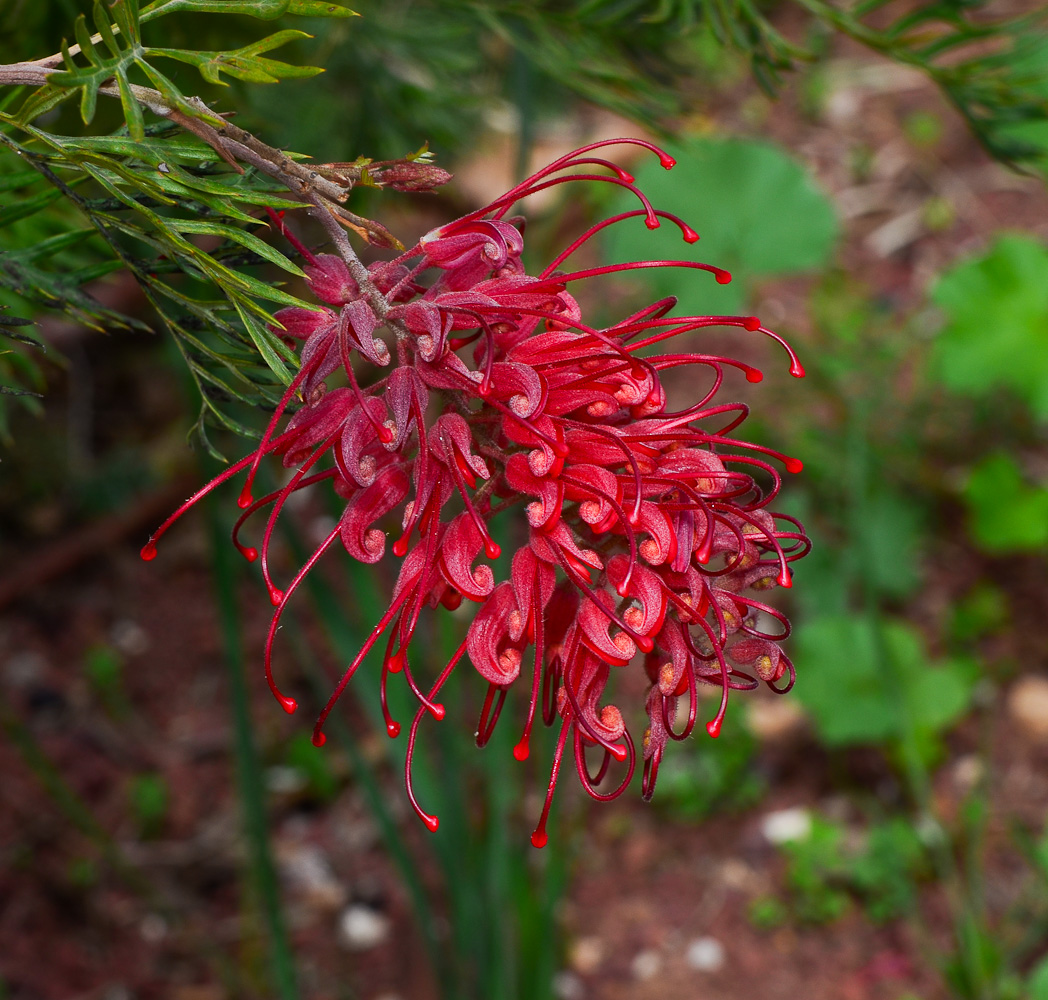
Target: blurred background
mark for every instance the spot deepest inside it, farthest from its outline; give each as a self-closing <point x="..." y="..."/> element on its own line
<point x="166" y="831"/>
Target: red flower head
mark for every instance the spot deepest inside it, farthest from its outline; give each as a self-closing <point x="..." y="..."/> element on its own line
<point x="647" y="533"/>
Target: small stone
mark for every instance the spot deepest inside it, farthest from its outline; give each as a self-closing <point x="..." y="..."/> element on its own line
<point x="24" y="669"/>
<point x="706" y="954"/>
<point x="362" y="928"/>
<point x="785" y="825"/>
<point x="775" y="719"/>
<point x="646" y="964"/>
<point x="284" y="780"/>
<point x="153" y="928"/>
<point x="1028" y="706"/>
<point x="568" y="986"/>
<point x="968" y="771"/>
<point x="129" y="637"/>
<point x="586" y="955"/>
<point x="307" y="869"/>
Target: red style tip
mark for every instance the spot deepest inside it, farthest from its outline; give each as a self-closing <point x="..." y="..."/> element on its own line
<point x="319" y="739"/>
<point x="245" y="499"/>
<point x="539" y="839"/>
<point x="628" y="177"/>
<point x="751" y="323"/>
<point x="714" y="728"/>
<point x="794" y="465"/>
<point x="437" y="711"/>
<point x="690" y="236"/>
<point x="754" y="375"/>
<point x="249" y="554"/>
<point x="148" y="552"/>
<point x="521" y="751"/>
<point x="385" y="435"/>
<point x="619" y="751"/>
<point x="432" y="822"/>
<point x="392" y="729"/>
<point x="667" y="161"/>
<point x="723" y="277"/>
<point x="645" y="643"/>
<point x="492" y="550"/>
<point x="287" y="704"/>
<point x="396" y="662"/>
<point x="400" y="546"/>
<point x="276" y="595"/>
<point x="797" y="370"/>
<point x="652" y="222"/>
<point x="785" y="580"/>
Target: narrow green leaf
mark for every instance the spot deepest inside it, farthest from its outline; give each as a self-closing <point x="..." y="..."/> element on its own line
<point x="178" y="148"/>
<point x="132" y="109"/>
<point x="51" y="246"/>
<point x="83" y="39"/>
<point x="67" y="58"/>
<point x="40" y="101"/>
<point x="319" y="8"/>
<point x="253" y="243"/>
<point x="25" y="207"/>
<point x="15" y="181"/>
<point x="88" y="100"/>
<point x="126" y="15"/>
<point x="266" y="10"/>
<point x="250" y="781"/>
<point x="244" y="63"/>
<point x="101" y="16"/>
<point x="264" y="340"/>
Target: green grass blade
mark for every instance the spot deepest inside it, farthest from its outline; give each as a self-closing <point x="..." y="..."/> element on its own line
<point x="250" y="783"/>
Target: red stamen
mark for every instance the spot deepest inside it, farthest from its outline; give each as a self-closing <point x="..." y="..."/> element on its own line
<point x="540" y="838"/>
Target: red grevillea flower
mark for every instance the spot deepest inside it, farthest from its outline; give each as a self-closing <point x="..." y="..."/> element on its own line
<point x="647" y="534"/>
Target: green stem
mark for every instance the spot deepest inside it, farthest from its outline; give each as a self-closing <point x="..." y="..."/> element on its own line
<point x="250" y="783"/>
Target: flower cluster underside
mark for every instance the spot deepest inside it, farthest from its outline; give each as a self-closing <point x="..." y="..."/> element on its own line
<point x="647" y="533"/>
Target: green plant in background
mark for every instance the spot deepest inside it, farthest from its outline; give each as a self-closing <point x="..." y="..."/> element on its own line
<point x="829" y="867"/>
<point x="775" y="222"/>
<point x="996" y="332"/>
<point x="708" y="777"/>
<point x="895" y="691"/>
<point x="150" y="800"/>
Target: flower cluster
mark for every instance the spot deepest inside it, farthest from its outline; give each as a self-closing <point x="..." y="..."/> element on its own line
<point x="647" y="533"/>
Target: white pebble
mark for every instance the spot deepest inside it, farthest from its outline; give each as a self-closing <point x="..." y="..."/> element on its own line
<point x="786" y="824"/>
<point x="362" y="928"/>
<point x="568" y="986"/>
<point x="646" y="964"/>
<point x="705" y="954"/>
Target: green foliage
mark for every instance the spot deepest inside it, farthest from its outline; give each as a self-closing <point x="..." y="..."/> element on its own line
<point x="104" y="669"/>
<point x="829" y="868"/>
<point x="140" y="200"/>
<point x="150" y="800"/>
<point x="767" y="912"/>
<point x="996" y="333"/>
<point x="314" y="765"/>
<point x="124" y="52"/>
<point x="982" y="611"/>
<point x="1037" y="984"/>
<point x="991" y="68"/>
<point x="1005" y="513"/>
<point x="816" y="873"/>
<point x="756" y="209"/>
<point x="704" y="776"/>
<point x="874" y="682"/>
